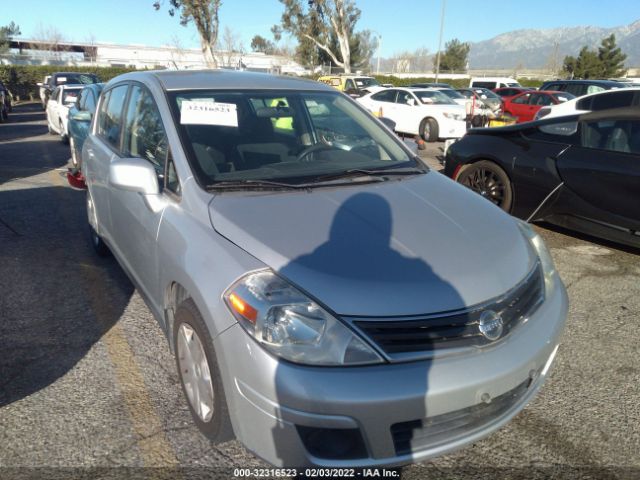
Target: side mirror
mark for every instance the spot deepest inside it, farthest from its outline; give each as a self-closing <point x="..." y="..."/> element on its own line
<point x="82" y="116"/>
<point x="134" y="175"/>
<point x="390" y="124"/>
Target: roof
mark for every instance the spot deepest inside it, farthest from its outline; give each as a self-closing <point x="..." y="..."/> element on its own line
<point x="224" y="80"/>
<point x="587" y="80"/>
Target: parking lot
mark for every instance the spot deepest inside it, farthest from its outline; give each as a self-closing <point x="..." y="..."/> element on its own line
<point x="87" y="380"/>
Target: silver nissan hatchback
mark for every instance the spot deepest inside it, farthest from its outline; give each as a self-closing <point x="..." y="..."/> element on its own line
<point x="330" y="301"/>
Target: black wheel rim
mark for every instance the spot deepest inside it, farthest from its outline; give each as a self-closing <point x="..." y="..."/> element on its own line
<point x="488" y="184"/>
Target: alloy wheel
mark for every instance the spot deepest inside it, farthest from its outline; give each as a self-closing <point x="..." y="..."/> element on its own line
<point x="195" y="372"/>
<point x="487" y="183"/>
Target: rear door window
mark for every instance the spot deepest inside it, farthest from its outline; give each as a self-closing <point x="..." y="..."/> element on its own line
<point x="385" y="96"/>
<point x="110" y="121"/>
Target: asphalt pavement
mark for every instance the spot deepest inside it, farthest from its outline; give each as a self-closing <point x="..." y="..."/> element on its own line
<point x="88" y="387"/>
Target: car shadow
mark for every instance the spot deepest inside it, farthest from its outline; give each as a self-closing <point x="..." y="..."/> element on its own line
<point x="58" y="299"/>
<point x="360" y="249"/>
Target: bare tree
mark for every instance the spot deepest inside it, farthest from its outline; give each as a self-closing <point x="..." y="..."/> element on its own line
<point x="204" y="15"/>
<point x="49" y="38"/>
<point x="321" y="22"/>
<point x="232" y="48"/>
<point x="177" y="50"/>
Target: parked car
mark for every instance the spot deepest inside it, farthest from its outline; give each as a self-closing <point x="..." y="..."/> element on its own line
<point x="361" y="311"/>
<point x="80" y="115"/>
<point x="526" y="105"/>
<point x="425" y="112"/>
<point x="62" y="98"/>
<point x="63" y="78"/>
<point x="509" y="92"/>
<point x="579" y="88"/>
<point x="604" y="100"/>
<point x="579" y="171"/>
<point x="353" y="85"/>
<point x="4" y="111"/>
<point x="430" y="85"/>
<point x="42" y="91"/>
<point x="485" y="98"/>
<point x="8" y="98"/>
<point x="491" y="83"/>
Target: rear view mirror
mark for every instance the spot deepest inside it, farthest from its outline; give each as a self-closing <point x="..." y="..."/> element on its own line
<point x="82" y="116"/>
<point x="134" y="175"/>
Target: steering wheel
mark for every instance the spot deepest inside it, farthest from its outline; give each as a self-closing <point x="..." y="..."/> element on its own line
<point x="315" y="148"/>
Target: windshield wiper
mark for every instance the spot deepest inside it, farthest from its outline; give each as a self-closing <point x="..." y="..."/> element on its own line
<point x="248" y="183"/>
<point x="359" y="172"/>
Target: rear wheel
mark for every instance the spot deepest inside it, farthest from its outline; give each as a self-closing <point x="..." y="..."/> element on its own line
<point x="490" y="181"/>
<point x="97" y="242"/>
<point x="64" y="138"/>
<point x="199" y="373"/>
<point x="429" y="130"/>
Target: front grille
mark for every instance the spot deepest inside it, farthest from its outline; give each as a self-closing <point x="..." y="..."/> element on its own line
<point x="458" y="329"/>
<point x="430" y="432"/>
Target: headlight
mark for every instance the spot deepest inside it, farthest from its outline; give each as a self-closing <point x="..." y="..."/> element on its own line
<point x="291" y="325"/>
<point x="453" y="116"/>
<point x="548" y="267"/>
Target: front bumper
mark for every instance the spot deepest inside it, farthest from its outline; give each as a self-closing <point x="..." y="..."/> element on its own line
<point x="402" y="413"/>
<point x="452" y="129"/>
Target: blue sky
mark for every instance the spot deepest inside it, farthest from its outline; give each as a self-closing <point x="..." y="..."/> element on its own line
<point x="403" y="24"/>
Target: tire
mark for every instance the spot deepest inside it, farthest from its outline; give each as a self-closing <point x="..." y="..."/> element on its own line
<point x="190" y="334"/>
<point x="490" y="181"/>
<point x="74" y="153"/>
<point x="429" y="130"/>
<point x="64" y="138"/>
<point x="98" y="244"/>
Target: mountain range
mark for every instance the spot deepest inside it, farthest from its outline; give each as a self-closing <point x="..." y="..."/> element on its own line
<point x="535" y="49"/>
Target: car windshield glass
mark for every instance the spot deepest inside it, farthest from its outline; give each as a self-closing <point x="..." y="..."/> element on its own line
<point x="288" y="136"/>
<point x="80" y="78"/>
<point x="70" y="95"/>
<point x="433" y="97"/>
<point x="452" y="94"/>
<point x="488" y="93"/>
<point x="365" y="82"/>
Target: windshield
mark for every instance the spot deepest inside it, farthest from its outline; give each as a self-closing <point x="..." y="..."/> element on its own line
<point x="285" y="135"/>
<point x="452" y="94"/>
<point x="433" y="97"/>
<point x="364" y="82"/>
<point x="563" y="97"/>
<point x="488" y="93"/>
<point x="70" y="95"/>
<point x="79" y="78"/>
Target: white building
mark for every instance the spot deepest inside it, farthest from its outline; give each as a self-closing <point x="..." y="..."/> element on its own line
<point x="32" y="52"/>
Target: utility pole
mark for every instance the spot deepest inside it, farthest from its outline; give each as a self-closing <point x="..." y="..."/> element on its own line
<point x="444" y="2"/>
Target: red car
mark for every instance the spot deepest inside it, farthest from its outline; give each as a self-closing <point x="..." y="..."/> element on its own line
<point x="509" y="92"/>
<point x="525" y="105"/>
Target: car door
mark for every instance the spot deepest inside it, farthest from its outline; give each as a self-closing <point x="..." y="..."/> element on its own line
<point x="406" y="112"/>
<point x="101" y="147"/>
<point x="134" y="223"/>
<point x="604" y="169"/>
<point x="52" y="112"/>
<point x="519" y="106"/>
<point x="382" y="103"/>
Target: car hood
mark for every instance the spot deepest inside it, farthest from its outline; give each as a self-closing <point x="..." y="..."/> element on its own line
<point x="409" y="246"/>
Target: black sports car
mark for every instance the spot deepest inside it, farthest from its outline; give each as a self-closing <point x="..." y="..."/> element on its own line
<point x="581" y="171"/>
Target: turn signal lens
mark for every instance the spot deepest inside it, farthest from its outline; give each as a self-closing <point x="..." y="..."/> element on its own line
<point x="243" y="308"/>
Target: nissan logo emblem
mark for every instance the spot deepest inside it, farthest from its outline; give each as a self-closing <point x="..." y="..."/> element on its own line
<point x="491" y="325"/>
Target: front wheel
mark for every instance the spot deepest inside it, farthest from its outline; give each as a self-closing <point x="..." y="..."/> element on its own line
<point x="429" y="130"/>
<point x="199" y="373"/>
<point x="490" y="181"/>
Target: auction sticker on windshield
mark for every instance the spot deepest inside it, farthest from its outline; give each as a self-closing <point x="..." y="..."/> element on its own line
<point x="202" y="112"/>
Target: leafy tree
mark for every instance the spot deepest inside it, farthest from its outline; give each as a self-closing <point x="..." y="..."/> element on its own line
<point x="204" y="14"/>
<point x="320" y="22"/>
<point x="6" y="34"/>
<point x="611" y="58"/>
<point x="586" y="65"/>
<point x="454" y="57"/>
<point x="261" y="44"/>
